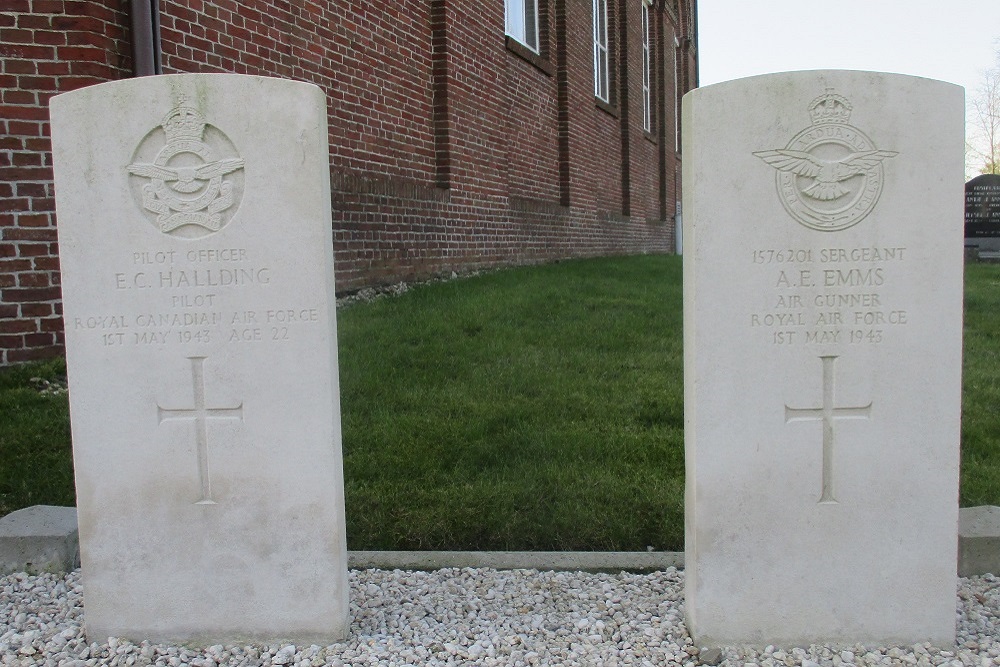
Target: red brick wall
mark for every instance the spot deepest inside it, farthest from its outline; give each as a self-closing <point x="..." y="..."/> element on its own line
<point x="594" y="133"/>
<point x="371" y="58"/>
<point x="531" y="115"/>
<point x="46" y="47"/>
<point x="451" y="147"/>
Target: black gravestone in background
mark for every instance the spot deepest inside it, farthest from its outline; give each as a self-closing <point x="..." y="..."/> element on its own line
<point x="982" y="207"/>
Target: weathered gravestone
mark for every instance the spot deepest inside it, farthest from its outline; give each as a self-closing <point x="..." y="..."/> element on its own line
<point x="196" y="253"/>
<point x="982" y="212"/>
<point x="823" y="335"/>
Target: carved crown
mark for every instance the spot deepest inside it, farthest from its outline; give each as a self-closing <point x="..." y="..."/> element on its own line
<point x="184" y="122"/>
<point x="830" y="108"/>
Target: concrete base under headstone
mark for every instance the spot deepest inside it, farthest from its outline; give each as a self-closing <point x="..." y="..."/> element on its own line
<point x="42" y="538"/>
<point x="984" y="245"/>
<point x="979" y="541"/>
<point x="986" y="250"/>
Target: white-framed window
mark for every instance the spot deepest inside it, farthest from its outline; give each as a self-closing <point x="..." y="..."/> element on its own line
<point x="647" y="69"/>
<point x="522" y="22"/>
<point x="602" y="79"/>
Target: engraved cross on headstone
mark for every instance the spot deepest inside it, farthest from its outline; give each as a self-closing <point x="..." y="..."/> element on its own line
<point x="200" y="414"/>
<point x="828" y="414"/>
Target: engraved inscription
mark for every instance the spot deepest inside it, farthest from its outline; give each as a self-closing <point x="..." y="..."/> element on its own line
<point x="982" y="207"/>
<point x="187" y="175"/>
<point x="187" y="299"/>
<point x="829" y="177"/>
<point x="828" y="414"/>
<point x="200" y="414"/>
<point x="828" y="295"/>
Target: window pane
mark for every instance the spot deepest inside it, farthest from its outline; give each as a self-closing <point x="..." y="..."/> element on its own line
<point x="522" y="21"/>
<point x="597" y="71"/>
<point x="677" y="96"/>
<point x="602" y="10"/>
<point x="515" y="19"/>
<point x="597" y="24"/>
<point x="647" y="115"/>
<point x="600" y="78"/>
<point x="601" y="87"/>
<point x="603" y="65"/>
<point x="531" y="23"/>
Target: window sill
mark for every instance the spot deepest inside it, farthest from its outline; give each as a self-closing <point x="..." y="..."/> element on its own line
<point x="650" y="137"/>
<point x="521" y="51"/>
<point x="605" y="107"/>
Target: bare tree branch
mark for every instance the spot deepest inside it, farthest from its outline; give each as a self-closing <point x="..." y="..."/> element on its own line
<point x="983" y="146"/>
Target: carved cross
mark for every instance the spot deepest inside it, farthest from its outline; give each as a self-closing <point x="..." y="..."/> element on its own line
<point x="200" y="414"/>
<point x="828" y="414"/>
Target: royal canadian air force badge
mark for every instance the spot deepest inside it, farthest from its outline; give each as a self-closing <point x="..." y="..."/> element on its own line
<point x="190" y="186"/>
<point x="830" y="175"/>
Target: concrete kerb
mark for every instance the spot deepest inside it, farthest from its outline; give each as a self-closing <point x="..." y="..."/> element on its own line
<point x="44" y="538"/>
<point x="573" y="561"/>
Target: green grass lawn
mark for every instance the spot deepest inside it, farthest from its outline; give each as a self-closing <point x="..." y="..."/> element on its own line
<point x="981" y="387"/>
<point x="36" y="463"/>
<point x="536" y="408"/>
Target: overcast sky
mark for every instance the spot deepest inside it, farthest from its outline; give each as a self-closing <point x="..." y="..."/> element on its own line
<point x="950" y="40"/>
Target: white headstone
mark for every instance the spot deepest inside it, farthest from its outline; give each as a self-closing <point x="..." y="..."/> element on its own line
<point x="823" y="350"/>
<point x="197" y="263"/>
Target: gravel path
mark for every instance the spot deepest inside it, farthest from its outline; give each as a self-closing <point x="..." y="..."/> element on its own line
<point x="477" y="617"/>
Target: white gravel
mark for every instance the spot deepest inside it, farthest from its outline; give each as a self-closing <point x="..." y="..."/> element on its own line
<point x="478" y="617"/>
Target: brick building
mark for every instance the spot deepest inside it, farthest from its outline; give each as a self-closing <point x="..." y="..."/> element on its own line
<point x="462" y="135"/>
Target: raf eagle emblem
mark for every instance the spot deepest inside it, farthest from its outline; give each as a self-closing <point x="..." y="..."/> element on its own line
<point x="827" y="175"/>
<point x="830" y="175"/>
<point x="185" y="185"/>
